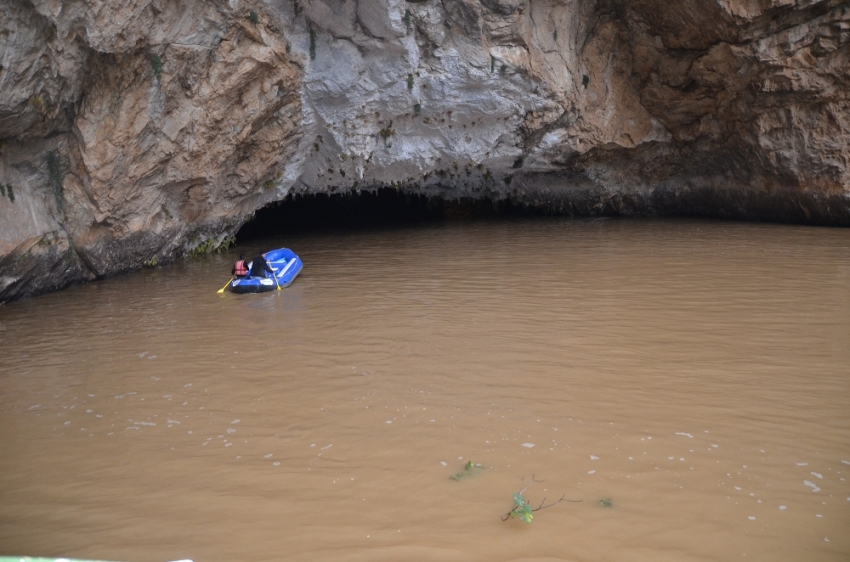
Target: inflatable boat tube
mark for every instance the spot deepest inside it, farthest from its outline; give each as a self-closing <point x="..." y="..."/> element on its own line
<point x="286" y="266"/>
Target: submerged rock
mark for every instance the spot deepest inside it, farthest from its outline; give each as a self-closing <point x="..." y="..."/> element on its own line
<point x="140" y="131"/>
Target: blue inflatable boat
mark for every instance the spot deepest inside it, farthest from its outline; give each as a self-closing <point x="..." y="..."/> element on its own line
<point x="286" y="266"/>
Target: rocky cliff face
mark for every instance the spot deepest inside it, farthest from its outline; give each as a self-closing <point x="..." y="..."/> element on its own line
<point x="140" y="131"/>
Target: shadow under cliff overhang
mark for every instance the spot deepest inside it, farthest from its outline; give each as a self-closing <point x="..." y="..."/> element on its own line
<point x="381" y="208"/>
<point x="655" y="180"/>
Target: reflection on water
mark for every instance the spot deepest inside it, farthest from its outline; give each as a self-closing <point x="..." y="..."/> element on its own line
<point x="693" y="376"/>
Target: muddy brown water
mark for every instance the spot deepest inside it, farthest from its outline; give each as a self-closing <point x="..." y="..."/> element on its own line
<point x="694" y="376"/>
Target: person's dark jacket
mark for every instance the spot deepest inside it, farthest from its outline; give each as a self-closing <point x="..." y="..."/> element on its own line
<point x="259" y="266"/>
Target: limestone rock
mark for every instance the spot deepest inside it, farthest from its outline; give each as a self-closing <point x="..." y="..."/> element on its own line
<point x="168" y="136"/>
<point x="144" y="130"/>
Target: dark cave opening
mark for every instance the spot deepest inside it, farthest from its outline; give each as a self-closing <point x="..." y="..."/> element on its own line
<point x="370" y="209"/>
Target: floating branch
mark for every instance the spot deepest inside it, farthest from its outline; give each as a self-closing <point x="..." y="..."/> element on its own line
<point x="468" y="470"/>
<point x="523" y="510"/>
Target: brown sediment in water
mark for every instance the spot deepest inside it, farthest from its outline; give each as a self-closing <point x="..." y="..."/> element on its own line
<point x="694" y="374"/>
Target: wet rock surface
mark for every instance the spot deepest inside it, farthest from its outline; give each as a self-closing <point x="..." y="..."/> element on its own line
<point x="138" y="132"/>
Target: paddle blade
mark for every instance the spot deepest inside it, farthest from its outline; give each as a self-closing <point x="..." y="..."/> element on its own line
<point x="225" y="286"/>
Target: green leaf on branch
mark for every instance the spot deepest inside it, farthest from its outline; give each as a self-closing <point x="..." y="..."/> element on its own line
<point x="519" y="501"/>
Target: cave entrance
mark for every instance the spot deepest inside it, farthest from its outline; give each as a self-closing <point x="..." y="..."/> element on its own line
<point x="383" y="208"/>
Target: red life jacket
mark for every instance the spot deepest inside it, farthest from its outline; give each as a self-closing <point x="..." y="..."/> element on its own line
<point x="239" y="269"/>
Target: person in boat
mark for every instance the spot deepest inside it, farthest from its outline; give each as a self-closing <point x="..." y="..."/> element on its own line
<point x="259" y="267"/>
<point x="240" y="268"/>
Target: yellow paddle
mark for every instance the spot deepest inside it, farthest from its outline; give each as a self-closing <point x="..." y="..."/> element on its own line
<point x="225" y="286"/>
